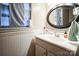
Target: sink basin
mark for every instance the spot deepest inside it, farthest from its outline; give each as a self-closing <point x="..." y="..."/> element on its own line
<point x="54" y="37"/>
<point x="59" y="38"/>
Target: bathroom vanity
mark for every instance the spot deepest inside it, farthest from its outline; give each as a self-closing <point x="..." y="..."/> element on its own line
<point x="56" y="44"/>
<point x="48" y="45"/>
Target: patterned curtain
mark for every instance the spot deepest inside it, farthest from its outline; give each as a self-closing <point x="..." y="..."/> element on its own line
<point x="17" y="14"/>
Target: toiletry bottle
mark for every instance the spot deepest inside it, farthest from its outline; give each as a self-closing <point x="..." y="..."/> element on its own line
<point x="65" y="34"/>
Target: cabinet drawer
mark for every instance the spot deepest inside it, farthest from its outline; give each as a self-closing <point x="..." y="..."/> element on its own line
<point x="57" y="50"/>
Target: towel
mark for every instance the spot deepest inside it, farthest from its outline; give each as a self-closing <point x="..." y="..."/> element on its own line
<point x="73" y="31"/>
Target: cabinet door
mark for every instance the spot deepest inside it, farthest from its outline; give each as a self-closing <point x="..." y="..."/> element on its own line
<point x="40" y="51"/>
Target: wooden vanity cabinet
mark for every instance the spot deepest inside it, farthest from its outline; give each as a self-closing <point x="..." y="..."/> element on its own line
<point x="44" y="48"/>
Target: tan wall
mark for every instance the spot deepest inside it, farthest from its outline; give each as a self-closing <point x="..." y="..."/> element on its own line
<point x="38" y="15"/>
<point x="15" y="43"/>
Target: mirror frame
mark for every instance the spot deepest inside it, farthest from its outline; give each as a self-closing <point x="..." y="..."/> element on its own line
<point x="50" y="11"/>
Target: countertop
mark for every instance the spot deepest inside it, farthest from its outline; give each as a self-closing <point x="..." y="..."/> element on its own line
<point x="59" y="41"/>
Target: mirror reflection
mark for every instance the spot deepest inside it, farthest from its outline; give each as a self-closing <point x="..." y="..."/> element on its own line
<point x="61" y="16"/>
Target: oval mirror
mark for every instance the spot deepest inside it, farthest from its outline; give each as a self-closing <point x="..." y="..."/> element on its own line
<point x="61" y="16"/>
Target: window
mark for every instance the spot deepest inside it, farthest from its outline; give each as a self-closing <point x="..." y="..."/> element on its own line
<point x="4" y="15"/>
<point x="15" y="14"/>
